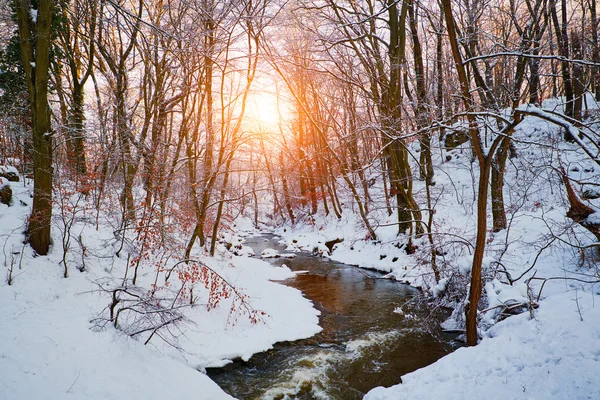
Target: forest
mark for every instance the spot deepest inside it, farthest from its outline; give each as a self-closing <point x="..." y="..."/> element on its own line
<point x="286" y="196"/>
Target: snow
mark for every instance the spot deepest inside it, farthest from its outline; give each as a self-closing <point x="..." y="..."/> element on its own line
<point x="243" y="250"/>
<point x="50" y="347"/>
<point x="49" y="351"/>
<point x="594" y="218"/>
<point x="8" y="169"/>
<point x="270" y="253"/>
<point x="464" y="265"/>
<point x="440" y="287"/>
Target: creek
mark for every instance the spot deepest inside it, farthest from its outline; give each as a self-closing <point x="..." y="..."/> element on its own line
<point x="372" y="335"/>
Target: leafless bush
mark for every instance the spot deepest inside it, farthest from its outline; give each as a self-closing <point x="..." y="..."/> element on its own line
<point x="143" y="314"/>
<point x="139" y="313"/>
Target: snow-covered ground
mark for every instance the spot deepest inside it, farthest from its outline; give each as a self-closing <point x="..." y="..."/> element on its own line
<point x="50" y="348"/>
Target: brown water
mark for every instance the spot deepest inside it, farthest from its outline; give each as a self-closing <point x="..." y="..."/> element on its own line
<point x="365" y="342"/>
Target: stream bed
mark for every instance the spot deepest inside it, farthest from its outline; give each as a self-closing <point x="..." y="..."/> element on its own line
<point x="372" y="335"/>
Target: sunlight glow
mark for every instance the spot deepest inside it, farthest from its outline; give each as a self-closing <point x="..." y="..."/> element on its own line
<point x="264" y="110"/>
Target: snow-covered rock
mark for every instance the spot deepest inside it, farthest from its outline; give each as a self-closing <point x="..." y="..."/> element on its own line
<point x="270" y="253"/>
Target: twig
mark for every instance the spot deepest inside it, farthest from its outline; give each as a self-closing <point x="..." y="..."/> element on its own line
<point x="558" y="277"/>
<point x="74" y="382"/>
<point x="578" y="307"/>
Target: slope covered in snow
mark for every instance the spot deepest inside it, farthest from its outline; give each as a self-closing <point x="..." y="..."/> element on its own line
<point x="55" y="342"/>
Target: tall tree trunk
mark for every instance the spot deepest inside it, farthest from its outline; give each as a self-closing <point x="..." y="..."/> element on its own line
<point x="539" y="16"/>
<point x="335" y="201"/>
<point x="124" y="134"/>
<point x="115" y="53"/>
<point x="596" y="49"/>
<point x="562" y="39"/>
<point x="223" y="194"/>
<point x="422" y="108"/>
<point x="276" y="203"/>
<point x="208" y="175"/>
<point x="439" y="62"/>
<point x="76" y="130"/>
<point x="395" y="150"/>
<point x="386" y="192"/>
<point x="35" y="42"/>
<point x="497" y="185"/>
<point x="286" y="190"/>
<point x="79" y="30"/>
<point x="534" y="81"/>
<point x="578" y="77"/>
<point x="482" y="195"/>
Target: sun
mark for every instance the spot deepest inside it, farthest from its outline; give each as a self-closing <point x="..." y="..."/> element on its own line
<point x="264" y="109"/>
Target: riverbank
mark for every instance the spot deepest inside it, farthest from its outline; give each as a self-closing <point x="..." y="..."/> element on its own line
<point x="551" y="353"/>
<point x="55" y="341"/>
<point x="539" y="267"/>
<point x="556" y="355"/>
<point x="372" y="330"/>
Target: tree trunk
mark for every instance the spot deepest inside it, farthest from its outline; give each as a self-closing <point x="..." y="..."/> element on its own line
<point x="471" y="308"/>
<point x="386" y="192"/>
<point x="596" y="49"/>
<point x="286" y="191"/>
<point x="484" y="169"/>
<point x="223" y="193"/>
<point x="208" y="175"/>
<point x="578" y="77"/>
<point x="34" y="39"/>
<point x="425" y="162"/>
<point x="534" y="82"/>
<point x="439" y="62"/>
<point x="76" y="130"/>
<point x="127" y="164"/>
<point x="498" y="167"/>
<point x="562" y="39"/>
<point x="409" y="214"/>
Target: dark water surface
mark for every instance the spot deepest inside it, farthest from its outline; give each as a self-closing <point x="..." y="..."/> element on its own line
<point x="371" y="336"/>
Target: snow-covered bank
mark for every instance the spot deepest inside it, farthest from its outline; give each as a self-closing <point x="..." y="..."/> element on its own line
<point x="49" y="349"/>
<point x="554" y="356"/>
<point x="381" y="255"/>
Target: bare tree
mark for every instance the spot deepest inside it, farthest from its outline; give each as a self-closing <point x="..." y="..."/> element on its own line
<point x="77" y="41"/>
<point x="35" y="39"/>
<point x="117" y="36"/>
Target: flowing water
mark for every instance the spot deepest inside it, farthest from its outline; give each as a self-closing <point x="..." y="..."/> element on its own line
<point x="372" y="334"/>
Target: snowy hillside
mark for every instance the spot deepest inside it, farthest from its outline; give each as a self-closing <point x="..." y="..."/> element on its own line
<point x="53" y="346"/>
